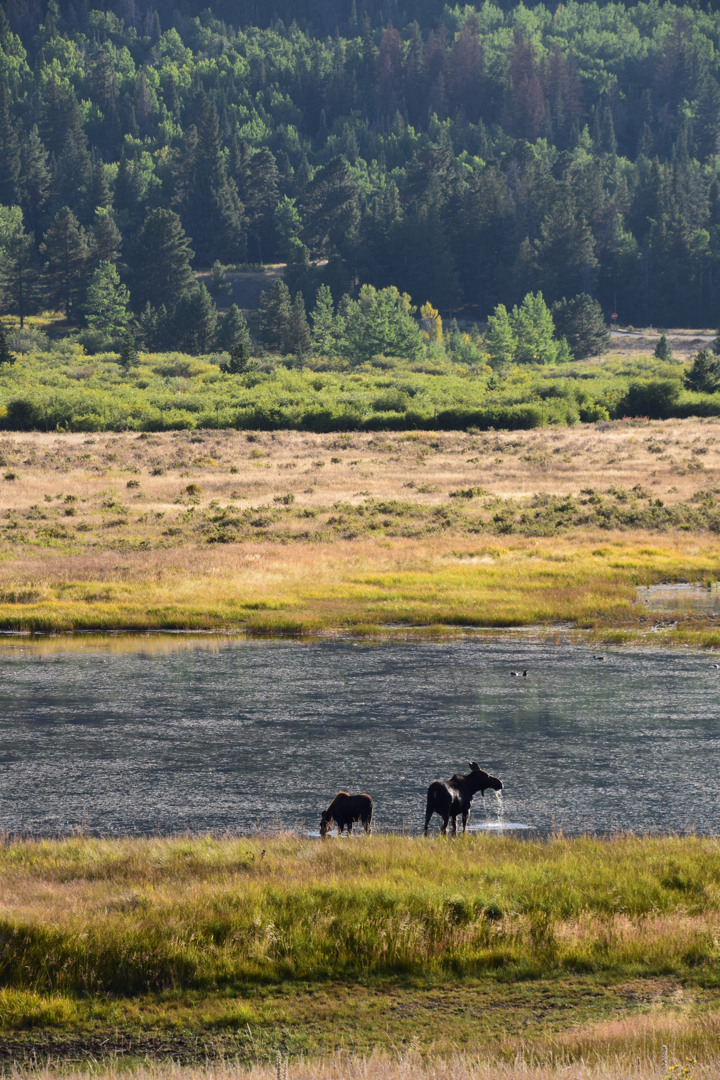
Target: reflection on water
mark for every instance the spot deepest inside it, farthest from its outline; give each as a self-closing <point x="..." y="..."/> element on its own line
<point x="680" y="597"/>
<point x="238" y="736"/>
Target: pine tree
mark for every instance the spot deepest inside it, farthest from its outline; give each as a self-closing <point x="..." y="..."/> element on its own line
<point x="19" y="267"/>
<point x="106" y="301"/>
<point x="534" y="329"/>
<point x="128" y="357"/>
<point x="232" y="329"/>
<point x="6" y="357"/>
<point x="160" y="261"/>
<point x="662" y="349"/>
<point x="35" y="178"/>
<point x="66" y="250"/>
<point x="297" y="338"/>
<point x="239" y="360"/>
<point x="704" y="374"/>
<point x="194" y="321"/>
<point x="105" y="238"/>
<point x="260" y="202"/>
<point x="98" y="193"/>
<point x="208" y="199"/>
<point x="501" y="342"/>
<point x="324" y="339"/>
<point x="275" y="313"/>
<point x="9" y="153"/>
<point x="582" y="323"/>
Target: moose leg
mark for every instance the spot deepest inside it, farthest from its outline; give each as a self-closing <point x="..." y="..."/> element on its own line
<point x="466" y="815"/>
<point x="366" y="825"/>
<point x="443" y="829"/>
<point x="428" y="814"/>
<point x="350" y="828"/>
<point x="454" y="828"/>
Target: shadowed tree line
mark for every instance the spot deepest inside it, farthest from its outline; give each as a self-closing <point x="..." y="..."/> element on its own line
<point x="465" y="157"/>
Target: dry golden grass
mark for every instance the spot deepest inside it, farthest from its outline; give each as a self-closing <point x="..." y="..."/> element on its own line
<point x="403" y="1066"/>
<point x="102" y="531"/>
<point x="674" y="457"/>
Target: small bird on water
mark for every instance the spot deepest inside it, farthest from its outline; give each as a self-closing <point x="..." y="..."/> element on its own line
<point x="518" y="674"/>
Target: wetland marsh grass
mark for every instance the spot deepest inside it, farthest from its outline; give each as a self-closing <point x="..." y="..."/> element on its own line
<point x="129" y="916"/>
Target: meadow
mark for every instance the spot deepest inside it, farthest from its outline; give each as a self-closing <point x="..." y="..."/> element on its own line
<point x="297" y="532"/>
<point x="571" y="949"/>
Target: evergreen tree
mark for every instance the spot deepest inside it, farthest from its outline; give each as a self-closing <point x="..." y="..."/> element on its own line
<point x="581" y="322"/>
<point x="324" y="340"/>
<point x="105" y="239"/>
<point x="501" y="341"/>
<point x="66" y="250"/>
<point x="19" y="267"/>
<point x="662" y="349"/>
<point x="35" y="178"/>
<point x="208" y="198"/>
<point x="6" y="357"/>
<point x="154" y="327"/>
<point x="704" y="373"/>
<point x="275" y="314"/>
<point x="297" y="338"/>
<point x="98" y="193"/>
<point x="533" y="326"/>
<point x="194" y="321"/>
<point x="238" y="361"/>
<point x="160" y="261"/>
<point x="260" y="196"/>
<point x="106" y="301"/>
<point x="128" y="357"/>
<point x="9" y="153"/>
<point x="232" y="329"/>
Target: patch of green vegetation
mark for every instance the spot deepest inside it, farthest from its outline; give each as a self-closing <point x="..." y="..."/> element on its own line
<point x="67" y="390"/>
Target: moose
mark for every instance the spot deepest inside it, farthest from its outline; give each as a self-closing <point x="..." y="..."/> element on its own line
<point x="452" y="797"/>
<point x="344" y="810"/>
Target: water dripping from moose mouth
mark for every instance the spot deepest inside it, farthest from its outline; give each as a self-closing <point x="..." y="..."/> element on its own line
<point x="244" y="737"/>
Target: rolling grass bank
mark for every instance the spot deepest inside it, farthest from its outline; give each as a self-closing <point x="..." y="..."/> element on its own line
<point x="193" y="947"/>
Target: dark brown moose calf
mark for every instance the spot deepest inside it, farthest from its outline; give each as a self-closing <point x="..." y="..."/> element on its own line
<point x="344" y="810"/>
<point x="449" y="798"/>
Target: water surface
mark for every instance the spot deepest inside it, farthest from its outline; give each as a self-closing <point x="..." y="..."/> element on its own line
<point x="243" y="735"/>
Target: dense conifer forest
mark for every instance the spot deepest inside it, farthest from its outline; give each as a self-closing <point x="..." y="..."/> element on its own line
<point x="467" y="157"/>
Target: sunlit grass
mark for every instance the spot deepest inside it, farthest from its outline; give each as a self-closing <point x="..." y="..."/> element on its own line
<point x="439" y="583"/>
<point x="81" y="916"/>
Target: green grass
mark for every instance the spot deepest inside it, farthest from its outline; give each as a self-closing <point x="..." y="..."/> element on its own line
<point x="128" y="917"/>
<point x="203" y="946"/>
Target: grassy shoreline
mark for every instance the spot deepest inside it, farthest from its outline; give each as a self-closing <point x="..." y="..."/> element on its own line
<point x="206" y="946"/>
<point x="420" y="533"/>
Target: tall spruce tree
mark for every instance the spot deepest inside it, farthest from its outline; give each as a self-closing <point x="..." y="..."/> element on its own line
<point x="66" y="249"/>
<point x="194" y="321"/>
<point x="297" y="338"/>
<point x="6" y="357"/>
<point x="160" y="261"/>
<point x="232" y="329"/>
<point x="19" y="265"/>
<point x="275" y="315"/>
<point x="208" y="199"/>
<point x="9" y="152"/>
<point x="581" y="322"/>
<point x="36" y="179"/>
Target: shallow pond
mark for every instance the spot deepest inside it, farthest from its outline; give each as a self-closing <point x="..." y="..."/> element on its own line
<point x="238" y="736"/>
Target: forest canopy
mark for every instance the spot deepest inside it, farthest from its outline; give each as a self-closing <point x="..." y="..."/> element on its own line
<point x="465" y="156"/>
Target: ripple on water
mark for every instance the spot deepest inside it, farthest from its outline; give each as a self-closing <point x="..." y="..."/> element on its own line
<point x="240" y="735"/>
